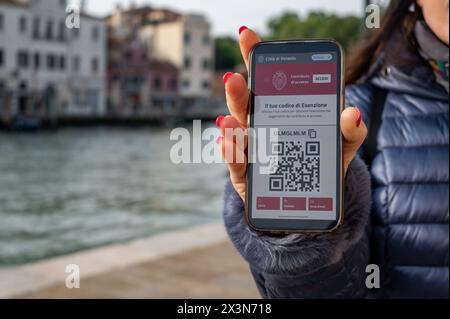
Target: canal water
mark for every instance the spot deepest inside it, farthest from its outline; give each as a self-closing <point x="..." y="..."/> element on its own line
<point x="79" y="188"/>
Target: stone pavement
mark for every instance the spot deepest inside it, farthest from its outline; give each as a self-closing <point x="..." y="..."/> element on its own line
<point x="199" y="267"/>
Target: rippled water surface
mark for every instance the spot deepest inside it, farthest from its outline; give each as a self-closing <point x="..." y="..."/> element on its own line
<point x="80" y="188"/>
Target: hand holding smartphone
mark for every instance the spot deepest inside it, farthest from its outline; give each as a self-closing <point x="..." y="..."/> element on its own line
<point x="304" y="201"/>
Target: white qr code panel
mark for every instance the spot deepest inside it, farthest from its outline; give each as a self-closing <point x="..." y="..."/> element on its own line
<point x="295" y="167"/>
<point x="301" y="167"/>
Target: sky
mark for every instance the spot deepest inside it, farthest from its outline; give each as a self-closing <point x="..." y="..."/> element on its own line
<point x="226" y="16"/>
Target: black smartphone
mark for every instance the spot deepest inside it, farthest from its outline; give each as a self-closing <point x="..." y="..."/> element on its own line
<point x="295" y="170"/>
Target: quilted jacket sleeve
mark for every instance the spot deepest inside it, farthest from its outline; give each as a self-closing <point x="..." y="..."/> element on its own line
<point x="330" y="265"/>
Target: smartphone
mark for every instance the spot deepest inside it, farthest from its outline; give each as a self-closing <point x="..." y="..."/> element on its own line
<point x="295" y="170"/>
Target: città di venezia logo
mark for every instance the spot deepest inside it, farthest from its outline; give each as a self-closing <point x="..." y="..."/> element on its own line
<point x="279" y="80"/>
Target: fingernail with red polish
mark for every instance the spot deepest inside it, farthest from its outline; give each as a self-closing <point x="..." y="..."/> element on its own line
<point x="242" y="29"/>
<point x="219" y="140"/>
<point x="219" y="120"/>
<point x="359" y="119"/>
<point x="226" y="77"/>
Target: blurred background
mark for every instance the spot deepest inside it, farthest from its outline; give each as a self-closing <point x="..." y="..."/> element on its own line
<point x="86" y="113"/>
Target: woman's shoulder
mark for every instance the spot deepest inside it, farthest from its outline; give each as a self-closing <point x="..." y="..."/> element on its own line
<point x="359" y="95"/>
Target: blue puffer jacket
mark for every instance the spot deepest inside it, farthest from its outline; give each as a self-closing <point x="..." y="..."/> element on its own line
<point x="396" y="214"/>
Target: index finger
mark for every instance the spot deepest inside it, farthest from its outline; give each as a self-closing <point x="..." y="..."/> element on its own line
<point x="247" y="40"/>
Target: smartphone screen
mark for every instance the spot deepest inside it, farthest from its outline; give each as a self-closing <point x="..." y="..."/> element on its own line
<point x="294" y="178"/>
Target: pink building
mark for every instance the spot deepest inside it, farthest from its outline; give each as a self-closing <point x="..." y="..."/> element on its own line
<point x="164" y="85"/>
<point x="138" y="86"/>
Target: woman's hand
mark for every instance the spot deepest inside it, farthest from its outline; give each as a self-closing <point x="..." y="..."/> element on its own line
<point x="353" y="128"/>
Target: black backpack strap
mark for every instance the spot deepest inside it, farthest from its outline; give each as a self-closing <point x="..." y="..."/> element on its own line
<point x="377" y="107"/>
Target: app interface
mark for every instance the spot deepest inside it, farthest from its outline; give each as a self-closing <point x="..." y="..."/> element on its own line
<point x="296" y="105"/>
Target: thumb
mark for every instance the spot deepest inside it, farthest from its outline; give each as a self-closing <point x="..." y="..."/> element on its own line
<point x="354" y="131"/>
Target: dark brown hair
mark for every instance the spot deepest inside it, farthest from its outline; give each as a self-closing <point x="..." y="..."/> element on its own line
<point x="399" y="21"/>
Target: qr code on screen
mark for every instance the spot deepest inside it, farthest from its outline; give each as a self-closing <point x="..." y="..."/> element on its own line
<point x="295" y="167"/>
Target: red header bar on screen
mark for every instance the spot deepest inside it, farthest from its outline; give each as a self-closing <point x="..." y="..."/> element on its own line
<point x="296" y="79"/>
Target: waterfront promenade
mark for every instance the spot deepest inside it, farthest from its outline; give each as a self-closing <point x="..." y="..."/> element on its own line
<point x="194" y="263"/>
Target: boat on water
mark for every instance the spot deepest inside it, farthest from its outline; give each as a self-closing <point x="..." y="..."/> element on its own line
<point x="26" y="123"/>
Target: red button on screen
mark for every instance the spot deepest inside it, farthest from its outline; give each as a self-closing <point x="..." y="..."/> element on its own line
<point x="268" y="203"/>
<point x="321" y="204"/>
<point x="294" y="203"/>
